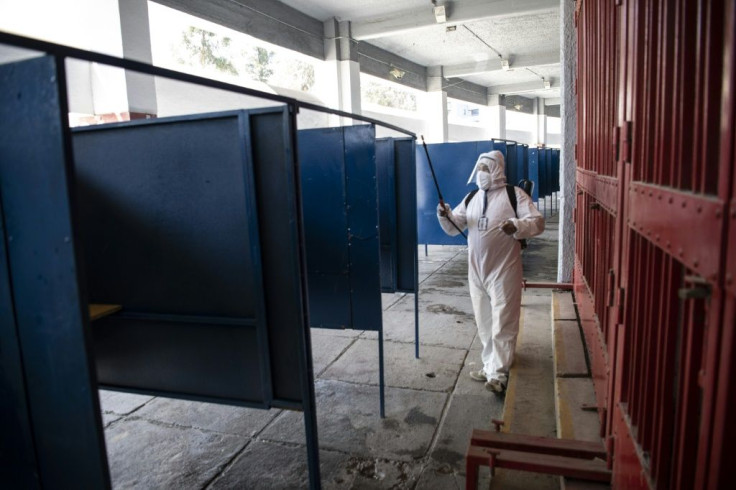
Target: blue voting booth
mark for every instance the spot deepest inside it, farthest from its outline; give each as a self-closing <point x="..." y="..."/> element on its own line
<point x="340" y="206"/>
<point x="184" y="232"/>
<point x="358" y="201"/>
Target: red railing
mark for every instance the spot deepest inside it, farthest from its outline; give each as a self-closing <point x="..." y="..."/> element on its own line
<point x="655" y="274"/>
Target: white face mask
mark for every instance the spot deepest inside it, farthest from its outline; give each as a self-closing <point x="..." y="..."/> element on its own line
<point x="483" y="179"/>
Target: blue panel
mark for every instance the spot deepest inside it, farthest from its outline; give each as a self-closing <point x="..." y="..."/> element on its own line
<point x="18" y="466"/>
<point x="512" y="169"/>
<point x="271" y="139"/>
<point x="48" y="302"/>
<point x="321" y="159"/>
<point x="406" y="208"/>
<point x="549" y="171"/>
<point x="166" y="183"/>
<point x="543" y="174"/>
<point x="340" y="208"/>
<point x="555" y="170"/>
<point x="533" y="168"/>
<point x="522" y="162"/>
<point x="362" y="202"/>
<point x="386" y="177"/>
<point x="453" y="163"/>
<point x="396" y="173"/>
<point x="156" y="240"/>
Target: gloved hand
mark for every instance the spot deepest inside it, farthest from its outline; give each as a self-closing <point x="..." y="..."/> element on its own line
<point x="443" y="211"/>
<point x="508" y="227"/>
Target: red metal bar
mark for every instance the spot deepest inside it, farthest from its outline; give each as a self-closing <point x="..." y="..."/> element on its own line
<point x="685" y="225"/>
<point x="660" y="466"/>
<point x="627" y="472"/>
<point x="606" y="192"/>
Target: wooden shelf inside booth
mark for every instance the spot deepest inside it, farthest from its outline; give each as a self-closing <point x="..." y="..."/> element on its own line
<point x="97" y="311"/>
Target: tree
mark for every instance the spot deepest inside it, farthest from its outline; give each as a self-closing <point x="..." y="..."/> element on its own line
<point x="257" y="64"/>
<point x="389" y="97"/>
<point x="209" y="49"/>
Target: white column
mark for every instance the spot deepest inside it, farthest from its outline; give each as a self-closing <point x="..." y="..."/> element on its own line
<point x="341" y="79"/>
<point x="435" y="107"/>
<point x="568" y="114"/>
<point x="541" y="117"/>
<point x="136" y="39"/>
<point x="496" y="123"/>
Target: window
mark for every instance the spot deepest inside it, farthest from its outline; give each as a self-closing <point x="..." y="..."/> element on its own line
<point x="378" y="95"/>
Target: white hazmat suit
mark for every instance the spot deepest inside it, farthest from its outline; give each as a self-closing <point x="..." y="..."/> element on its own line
<point x="494" y="260"/>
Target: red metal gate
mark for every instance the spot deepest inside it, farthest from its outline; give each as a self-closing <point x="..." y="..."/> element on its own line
<point x="655" y="220"/>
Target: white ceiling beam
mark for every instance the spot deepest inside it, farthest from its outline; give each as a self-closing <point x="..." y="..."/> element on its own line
<point x="521" y="61"/>
<point x="457" y="12"/>
<point x="553" y="101"/>
<point x="520" y="88"/>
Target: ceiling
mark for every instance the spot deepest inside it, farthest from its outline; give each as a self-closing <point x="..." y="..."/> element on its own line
<point x="524" y="32"/>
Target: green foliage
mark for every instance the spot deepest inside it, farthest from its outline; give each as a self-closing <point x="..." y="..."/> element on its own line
<point x="257" y="64"/>
<point x="389" y="97"/>
<point x="208" y="49"/>
<point x="211" y="50"/>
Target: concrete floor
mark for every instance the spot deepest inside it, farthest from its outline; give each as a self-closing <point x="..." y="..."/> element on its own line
<point x="431" y="403"/>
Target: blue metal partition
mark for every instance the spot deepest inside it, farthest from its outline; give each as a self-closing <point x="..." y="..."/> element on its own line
<point x="452" y="163"/>
<point x="191" y="224"/>
<point x="555" y="170"/>
<point x="50" y="414"/>
<point x="167" y="208"/>
<point x="387" y="220"/>
<point x="341" y="223"/>
<point x="406" y="207"/>
<point x="512" y="164"/>
<point x="340" y="206"/>
<point x="543" y="173"/>
<point x="397" y="205"/>
<point x="522" y="162"/>
<point x="396" y="174"/>
<point x="533" y="172"/>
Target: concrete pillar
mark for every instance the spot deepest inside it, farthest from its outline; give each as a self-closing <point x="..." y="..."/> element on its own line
<point x="342" y="78"/>
<point x="136" y="38"/>
<point x="496" y="123"/>
<point x="435" y="107"/>
<point x="568" y="114"/>
<point x="541" y="119"/>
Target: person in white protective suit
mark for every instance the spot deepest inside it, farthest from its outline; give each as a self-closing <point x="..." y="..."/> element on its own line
<point x="494" y="261"/>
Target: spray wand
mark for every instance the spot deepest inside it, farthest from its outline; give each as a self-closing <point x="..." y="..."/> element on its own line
<point x="439" y="193"/>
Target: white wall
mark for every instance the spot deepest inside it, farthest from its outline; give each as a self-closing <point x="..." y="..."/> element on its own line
<point x="458" y="132"/>
<point x="178" y="98"/>
<point x="92" y="25"/>
<point x="526" y="137"/>
<point x="414" y="125"/>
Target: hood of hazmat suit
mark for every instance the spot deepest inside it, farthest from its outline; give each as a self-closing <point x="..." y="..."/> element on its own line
<point x="494" y="258"/>
<point x="496" y="165"/>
